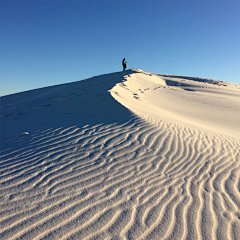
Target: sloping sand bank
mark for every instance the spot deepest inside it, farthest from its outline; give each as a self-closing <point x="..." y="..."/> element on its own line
<point x="128" y="155"/>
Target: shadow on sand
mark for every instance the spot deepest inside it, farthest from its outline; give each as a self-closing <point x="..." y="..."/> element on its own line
<point x="81" y="103"/>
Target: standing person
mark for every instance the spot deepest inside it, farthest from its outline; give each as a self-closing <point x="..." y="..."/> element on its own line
<point x="124" y="63"/>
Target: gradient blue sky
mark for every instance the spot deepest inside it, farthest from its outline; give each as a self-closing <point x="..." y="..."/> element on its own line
<point x="45" y="43"/>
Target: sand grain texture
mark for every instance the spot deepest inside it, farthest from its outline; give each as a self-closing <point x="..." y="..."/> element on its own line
<point x="127" y="155"/>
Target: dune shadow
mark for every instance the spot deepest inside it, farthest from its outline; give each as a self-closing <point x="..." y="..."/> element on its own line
<point x="184" y="86"/>
<point x="80" y="103"/>
<point x="196" y="79"/>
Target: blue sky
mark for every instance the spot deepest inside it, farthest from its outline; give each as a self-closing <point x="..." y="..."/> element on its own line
<point x="45" y="43"/>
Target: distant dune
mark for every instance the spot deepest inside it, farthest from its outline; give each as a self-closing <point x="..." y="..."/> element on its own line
<point x="127" y="155"/>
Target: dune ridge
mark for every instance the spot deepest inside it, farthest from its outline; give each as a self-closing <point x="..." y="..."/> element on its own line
<point x="110" y="158"/>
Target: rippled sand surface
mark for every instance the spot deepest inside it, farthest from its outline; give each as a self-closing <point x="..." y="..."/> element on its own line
<point x="127" y="155"/>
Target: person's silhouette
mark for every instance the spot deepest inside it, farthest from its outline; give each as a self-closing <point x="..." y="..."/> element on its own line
<point x="124" y="63"/>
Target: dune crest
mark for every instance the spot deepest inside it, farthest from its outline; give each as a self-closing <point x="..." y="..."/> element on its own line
<point x="127" y="155"/>
<point x="203" y="103"/>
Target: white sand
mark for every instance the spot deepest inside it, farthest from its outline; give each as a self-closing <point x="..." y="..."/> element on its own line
<point x="127" y="155"/>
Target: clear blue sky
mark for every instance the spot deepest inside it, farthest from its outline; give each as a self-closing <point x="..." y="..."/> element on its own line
<point x="46" y="43"/>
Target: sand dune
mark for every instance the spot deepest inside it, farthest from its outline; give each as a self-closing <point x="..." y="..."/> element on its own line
<point x="127" y="155"/>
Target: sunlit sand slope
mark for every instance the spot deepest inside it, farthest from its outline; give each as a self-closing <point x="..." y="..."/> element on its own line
<point x="119" y="157"/>
<point x="196" y="102"/>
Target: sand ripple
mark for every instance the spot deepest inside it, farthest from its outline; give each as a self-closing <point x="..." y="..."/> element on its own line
<point x="135" y="180"/>
<point x="77" y="164"/>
